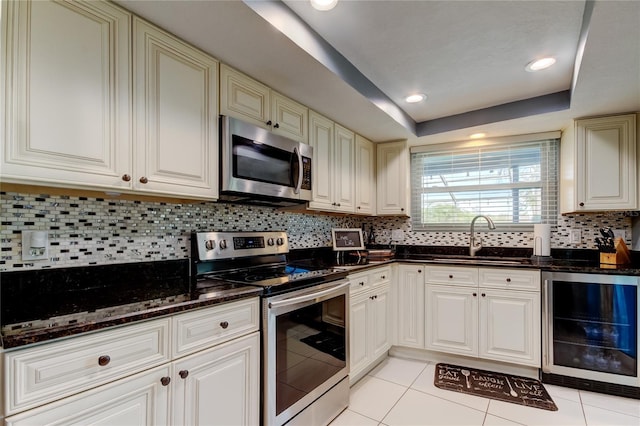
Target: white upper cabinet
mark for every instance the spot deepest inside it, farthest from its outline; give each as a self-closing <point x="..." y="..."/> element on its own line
<point x="66" y="93"/>
<point x="333" y="176"/>
<point x="175" y="99"/>
<point x="365" y="176"/>
<point x="599" y="169"/>
<point x="249" y="100"/>
<point x="393" y="179"/>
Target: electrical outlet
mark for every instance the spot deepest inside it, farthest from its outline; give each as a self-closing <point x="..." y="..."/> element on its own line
<point x="576" y="236"/>
<point x="397" y="235"/>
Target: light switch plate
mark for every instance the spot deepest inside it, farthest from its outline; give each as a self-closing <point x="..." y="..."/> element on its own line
<point x="576" y="236"/>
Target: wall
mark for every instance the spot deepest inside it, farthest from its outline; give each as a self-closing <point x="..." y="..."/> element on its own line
<point x="88" y="231"/>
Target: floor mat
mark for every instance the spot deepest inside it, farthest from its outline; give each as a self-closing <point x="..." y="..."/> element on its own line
<point x="488" y="384"/>
<point x="328" y="343"/>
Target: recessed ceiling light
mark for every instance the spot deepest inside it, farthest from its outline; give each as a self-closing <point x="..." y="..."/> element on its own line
<point x="540" y="64"/>
<point x="324" y="4"/>
<point x="418" y="97"/>
<point x="478" y="135"/>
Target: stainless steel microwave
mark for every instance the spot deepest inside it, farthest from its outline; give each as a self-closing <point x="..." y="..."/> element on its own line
<point x="260" y="167"/>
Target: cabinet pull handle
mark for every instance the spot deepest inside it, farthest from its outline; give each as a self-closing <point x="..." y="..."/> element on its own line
<point x="144" y="180"/>
<point x="277" y="126"/>
<point x="484" y="295"/>
<point x="475" y="294"/>
<point x="165" y="381"/>
<point x="126" y="178"/>
<point x="183" y="373"/>
<point x="269" y="123"/>
<point x="508" y="280"/>
<point x="224" y="324"/>
<point x="104" y="360"/>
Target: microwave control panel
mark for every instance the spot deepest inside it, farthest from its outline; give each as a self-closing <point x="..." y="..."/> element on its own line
<point x="306" y="173"/>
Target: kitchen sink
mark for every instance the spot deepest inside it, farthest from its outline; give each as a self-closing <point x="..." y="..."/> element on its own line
<point x="478" y="260"/>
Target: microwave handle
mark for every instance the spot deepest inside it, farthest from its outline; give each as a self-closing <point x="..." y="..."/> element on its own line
<point x="296" y="190"/>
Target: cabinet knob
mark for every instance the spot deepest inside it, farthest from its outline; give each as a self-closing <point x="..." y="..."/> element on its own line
<point x="450" y="277"/>
<point x="401" y="209"/>
<point x="269" y="123"/>
<point x="104" y="360"/>
<point x="358" y="207"/>
<point x="165" y="381"/>
<point x="224" y="324"/>
<point x="419" y="271"/>
<point x="144" y="180"/>
<point x="383" y="277"/>
<point x="277" y="126"/>
<point x="183" y="373"/>
<point x="508" y="280"/>
<point x="475" y="294"/>
<point x="126" y="178"/>
<point x="361" y="283"/>
<point x="581" y="204"/>
<point x="483" y="295"/>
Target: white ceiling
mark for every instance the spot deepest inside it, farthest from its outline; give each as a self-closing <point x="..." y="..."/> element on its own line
<point x="465" y="55"/>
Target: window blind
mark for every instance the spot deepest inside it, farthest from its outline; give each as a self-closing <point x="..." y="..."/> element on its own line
<point x="515" y="183"/>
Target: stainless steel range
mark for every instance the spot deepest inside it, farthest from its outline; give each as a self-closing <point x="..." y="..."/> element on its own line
<point x="305" y="323"/>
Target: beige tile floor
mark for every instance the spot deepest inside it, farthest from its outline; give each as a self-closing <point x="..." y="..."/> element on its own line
<point x="401" y="392"/>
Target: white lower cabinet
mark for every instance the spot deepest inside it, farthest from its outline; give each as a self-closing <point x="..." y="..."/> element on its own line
<point x="370" y="320"/>
<point x="487" y="313"/>
<point x="410" y="310"/>
<point x="219" y="386"/>
<point x="138" y="400"/>
<point x="127" y="376"/>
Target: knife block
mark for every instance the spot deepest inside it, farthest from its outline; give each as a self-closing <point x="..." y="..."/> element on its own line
<point x="620" y="257"/>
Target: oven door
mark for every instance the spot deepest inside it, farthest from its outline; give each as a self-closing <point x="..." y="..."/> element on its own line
<point x="590" y="327"/>
<point x="305" y="349"/>
<point x="258" y="162"/>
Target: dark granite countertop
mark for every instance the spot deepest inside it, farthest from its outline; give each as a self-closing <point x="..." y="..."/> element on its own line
<point x="51" y="303"/>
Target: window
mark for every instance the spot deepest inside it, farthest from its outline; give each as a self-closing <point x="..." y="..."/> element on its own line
<point x="512" y="180"/>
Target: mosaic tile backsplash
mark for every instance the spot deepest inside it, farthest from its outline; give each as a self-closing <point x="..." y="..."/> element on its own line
<point x="90" y="231"/>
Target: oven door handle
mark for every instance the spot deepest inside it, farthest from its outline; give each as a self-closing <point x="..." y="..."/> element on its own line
<point x="547" y="342"/>
<point x="307" y="297"/>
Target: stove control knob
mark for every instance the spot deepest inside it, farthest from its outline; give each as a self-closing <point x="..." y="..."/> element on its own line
<point x="280" y="241"/>
<point x="210" y="245"/>
<point x="270" y="242"/>
<point x="223" y="244"/>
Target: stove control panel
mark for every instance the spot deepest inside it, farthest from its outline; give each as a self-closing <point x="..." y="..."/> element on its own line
<point x="226" y="245"/>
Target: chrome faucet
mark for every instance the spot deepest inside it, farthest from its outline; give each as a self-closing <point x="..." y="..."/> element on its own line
<point x="473" y="247"/>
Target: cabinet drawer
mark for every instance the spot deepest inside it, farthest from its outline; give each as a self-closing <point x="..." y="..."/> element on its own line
<point x="43" y="373"/>
<point x="451" y="275"/>
<point x="510" y="278"/>
<point x="380" y="276"/>
<point x="359" y="283"/>
<point x="193" y="331"/>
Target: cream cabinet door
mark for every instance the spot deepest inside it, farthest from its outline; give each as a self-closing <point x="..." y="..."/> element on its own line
<point x="344" y="174"/>
<point x="289" y="118"/>
<point x="410" y="308"/>
<point x="219" y="386"/>
<point x="244" y="98"/>
<point x="66" y="88"/>
<point x="142" y="400"/>
<point x="392" y="179"/>
<point x="380" y="320"/>
<point x="321" y="137"/>
<point x="175" y="97"/>
<point x="365" y="177"/>
<point x="607" y="175"/>
<point x="358" y="335"/>
<point x="452" y="319"/>
<point x="510" y="326"/>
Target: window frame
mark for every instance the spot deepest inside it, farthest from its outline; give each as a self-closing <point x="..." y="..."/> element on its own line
<point x="549" y="186"/>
